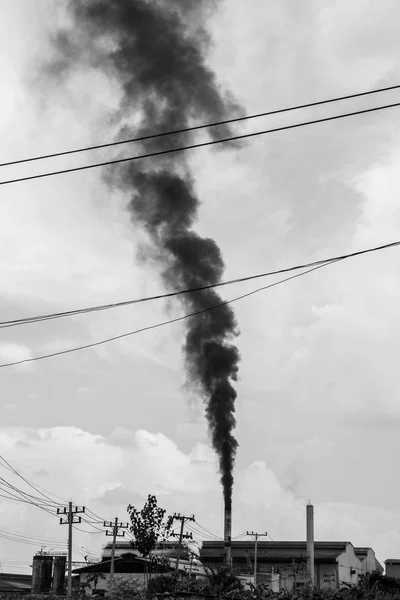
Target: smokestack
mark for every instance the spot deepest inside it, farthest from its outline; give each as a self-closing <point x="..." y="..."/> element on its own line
<point x="228" y="533"/>
<point x="310" y="542"/>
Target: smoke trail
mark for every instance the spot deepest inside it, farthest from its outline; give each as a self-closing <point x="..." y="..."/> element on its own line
<point x="155" y="51"/>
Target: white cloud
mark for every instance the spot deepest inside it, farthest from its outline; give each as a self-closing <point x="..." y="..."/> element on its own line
<point x="92" y="472"/>
<point x="11" y="352"/>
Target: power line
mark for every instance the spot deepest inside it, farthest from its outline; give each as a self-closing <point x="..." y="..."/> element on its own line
<point x="208" y="531"/>
<point x="21" y="496"/>
<point x="190" y="315"/>
<point x="28" y="482"/>
<point x="241" y="535"/>
<point x="80" y="311"/>
<point x="198" y="127"/>
<point x="34" y="538"/>
<point x="201" y="534"/>
<point x="157" y="325"/>
<point x="200" y="145"/>
<point x="24" y="496"/>
<point x="91" y="525"/>
<point x="90" y="512"/>
<point x="28" y="542"/>
<point x="42" y="507"/>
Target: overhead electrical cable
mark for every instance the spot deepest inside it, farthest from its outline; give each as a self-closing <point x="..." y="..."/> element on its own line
<point x="17" y="499"/>
<point x="241" y="535"/>
<point x="88" y="511"/>
<point x="157" y="325"/>
<point x="200" y="533"/>
<point x="80" y="311"/>
<point x="91" y="524"/>
<point x="6" y="486"/>
<point x="88" y="531"/>
<point x="29" y="482"/>
<point x="10" y="496"/>
<point x="12" y="470"/>
<point x="207" y="530"/>
<point x="32" y="537"/>
<point x="202" y="126"/>
<point x="26" y="542"/>
<point x="199" y="145"/>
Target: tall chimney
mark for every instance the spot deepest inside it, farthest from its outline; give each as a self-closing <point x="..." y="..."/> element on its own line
<point x="310" y="542"/>
<point x="228" y="534"/>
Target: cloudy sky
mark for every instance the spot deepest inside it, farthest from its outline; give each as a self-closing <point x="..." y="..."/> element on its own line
<point x="318" y="415"/>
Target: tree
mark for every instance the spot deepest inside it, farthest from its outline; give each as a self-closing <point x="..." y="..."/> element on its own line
<point x="148" y="526"/>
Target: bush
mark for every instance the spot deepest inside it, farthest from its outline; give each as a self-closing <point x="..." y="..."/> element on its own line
<point x="164" y="583"/>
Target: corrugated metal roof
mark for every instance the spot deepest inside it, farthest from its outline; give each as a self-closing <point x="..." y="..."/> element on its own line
<point x="273" y="551"/>
<point x="394" y="561"/>
<point x="10" y="582"/>
<point x="362" y="552"/>
<point x="131" y="563"/>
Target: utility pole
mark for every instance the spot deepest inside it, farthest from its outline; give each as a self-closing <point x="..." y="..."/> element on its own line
<point x="256" y="536"/>
<point x="70" y="513"/>
<point x="182" y="519"/>
<point x="114" y="532"/>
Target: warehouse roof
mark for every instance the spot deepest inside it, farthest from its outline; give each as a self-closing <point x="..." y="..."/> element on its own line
<point x="127" y="563"/>
<point x="10" y="582"/>
<point x="131" y="563"/>
<point x="362" y="552"/>
<point x="394" y="561"/>
<point x="273" y="551"/>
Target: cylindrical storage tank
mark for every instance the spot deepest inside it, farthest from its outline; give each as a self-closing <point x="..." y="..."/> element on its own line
<point x="41" y="574"/>
<point x="60" y="563"/>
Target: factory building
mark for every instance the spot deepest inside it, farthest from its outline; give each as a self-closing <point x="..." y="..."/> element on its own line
<point x="368" y="560"/>
<point x="392" y="568"/>
<point x="335" y="563"/>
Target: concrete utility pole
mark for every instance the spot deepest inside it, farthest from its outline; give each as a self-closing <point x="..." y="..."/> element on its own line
<point x="70" y="512"/>
<point x="256" y="536"/>
<point x="114" y="532"/>
<point x="182" y="519"/>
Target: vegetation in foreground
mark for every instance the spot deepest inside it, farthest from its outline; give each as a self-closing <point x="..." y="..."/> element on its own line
<point x="224" y="584"/>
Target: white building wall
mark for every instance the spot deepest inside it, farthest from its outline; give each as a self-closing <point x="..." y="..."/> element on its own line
<point x="348" y="562"/>
<point x="327" y="577"/>
<point x="369" y="563"/>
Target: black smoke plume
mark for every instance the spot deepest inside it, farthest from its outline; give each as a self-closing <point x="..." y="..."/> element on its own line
<point x="154" y="50"/>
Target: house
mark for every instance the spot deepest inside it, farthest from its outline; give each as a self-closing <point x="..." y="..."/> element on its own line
<point x="335" y="563"/>
<point x="392" y="568"/>
<point x="129" y="568"/>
